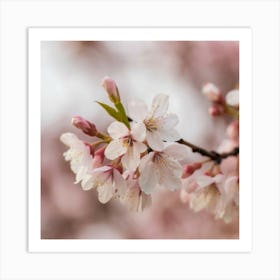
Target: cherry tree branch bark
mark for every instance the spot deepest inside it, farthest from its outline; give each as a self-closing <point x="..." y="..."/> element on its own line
<point x="217" y="157"/>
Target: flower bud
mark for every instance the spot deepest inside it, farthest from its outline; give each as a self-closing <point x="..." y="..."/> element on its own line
<point x="233" y="130"/>
<point x="86" y="126"/>
<point x="232" y="98"/>
<point x="112" y="89"/>
<point x="98" y="157"/>
<point x="189" y="169"/>
<point x="212" y="93"/>
<point x="216" y="110"/>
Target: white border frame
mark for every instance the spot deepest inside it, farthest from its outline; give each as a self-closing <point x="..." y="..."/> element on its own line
<point x="37" y="35"/>
<point x="263" y="260"/>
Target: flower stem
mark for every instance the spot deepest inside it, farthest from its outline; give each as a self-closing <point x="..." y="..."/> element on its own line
<point x="216" y="157"/>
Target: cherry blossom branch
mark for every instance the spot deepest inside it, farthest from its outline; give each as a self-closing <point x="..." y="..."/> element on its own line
<point x="217" y="157"/>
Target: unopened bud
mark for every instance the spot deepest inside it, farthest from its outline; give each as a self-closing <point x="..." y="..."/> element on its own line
<point x="112" y="89"/>
<point x="216" y="110"/>
<point x="232" y="98"/>
<point x="86" y="126"/>
<point x="98" y="157"/>
<point x="189" y="169"/>
<point x="233" y="130"/>
<point x="212" y="93"/>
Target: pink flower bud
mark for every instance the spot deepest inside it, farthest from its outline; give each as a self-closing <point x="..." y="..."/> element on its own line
<point x="98" y="157"/>
<point x="233" y="130"/>
<point x="216" y="110"/>
<point x="187" y="171"/>
<point x="112" y="89"/>
<point x="196" y="165"/>
<point x="86" y="126"/>
<point x="212" y="93"/>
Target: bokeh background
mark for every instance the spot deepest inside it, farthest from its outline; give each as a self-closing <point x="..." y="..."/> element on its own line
<point x="71" y="74"/>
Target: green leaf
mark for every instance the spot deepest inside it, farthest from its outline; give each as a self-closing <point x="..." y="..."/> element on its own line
<point x="111" y="111"/>
<point x="122" y="113"/>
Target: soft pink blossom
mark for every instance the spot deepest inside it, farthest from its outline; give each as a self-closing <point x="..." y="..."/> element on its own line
<point x="158" y="123"/>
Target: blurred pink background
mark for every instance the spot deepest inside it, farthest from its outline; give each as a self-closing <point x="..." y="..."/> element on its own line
<point x="71" y="82"/>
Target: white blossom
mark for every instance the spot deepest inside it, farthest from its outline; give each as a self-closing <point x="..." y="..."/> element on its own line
<point x="217" y="194"/>
<point x="134" y="198"/>
<point x="162" y="168"/>
<point x="126" y="143"/>
<point x="158" y="123"/>
<point x="78" y="155"/>
<point x="107" y="180"/>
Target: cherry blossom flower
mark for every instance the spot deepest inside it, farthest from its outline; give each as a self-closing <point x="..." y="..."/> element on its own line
<point x="162" y="168"/>
<point x="126" y="143"/>
<point x="78" y="155"/>
<point x="134" y="198"/>
<point x="158" y="123"/>
<point x="212" y="92"/>
<point x="218" y="194"/>
<point x="107" y="180"/>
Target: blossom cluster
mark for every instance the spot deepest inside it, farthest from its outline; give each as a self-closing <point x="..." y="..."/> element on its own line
<point x="142" y="151"/>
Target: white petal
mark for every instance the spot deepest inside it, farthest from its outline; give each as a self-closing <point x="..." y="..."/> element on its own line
<point x="177" y="151"/>
<point x="169" y="181"/>
<point x="138" y="131"/>
<point x="198" y="201"/>
<point x="204" y="181"/>
<point x="168" y="121"/>
<point x="148" y="178"/>
<point x="82" y="171"/>
<point x="117" y="130"/>
<point x="170" y="175"/>
<point x="139" y="147"/>
<point x="160" y="105"/>
<point x="145" y="160"/>
<point x="102" y="169"/>
<point x="88" y="182"/>
<point x="170" y="135"/>
<point x="145" y="202"/>
<point x="137" y="110"/>
<point x="68" y="138"/>
<point x="131" y="159"/>
<point x="154" y="140"/>
<point x="115" y="149"/>
<point x="119" y="183"/>
<point x="105" y="191"/>
<point x="232" y="98"/>
<point x="231" y="188"/>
